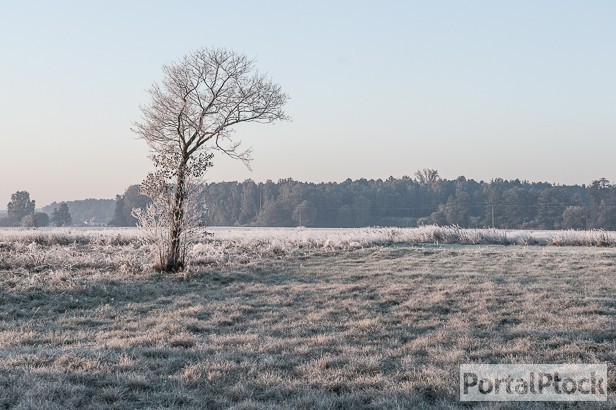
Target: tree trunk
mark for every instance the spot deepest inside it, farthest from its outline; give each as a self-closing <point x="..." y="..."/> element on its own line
<point x="175" y="256"/>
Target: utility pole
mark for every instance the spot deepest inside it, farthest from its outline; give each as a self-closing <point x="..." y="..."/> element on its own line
<point x="492" y="216"/>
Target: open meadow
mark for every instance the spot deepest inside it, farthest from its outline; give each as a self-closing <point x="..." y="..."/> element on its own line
<point x="377" y="318"/>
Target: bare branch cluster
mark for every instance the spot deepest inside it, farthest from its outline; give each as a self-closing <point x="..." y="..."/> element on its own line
<point x="201" y="97"/>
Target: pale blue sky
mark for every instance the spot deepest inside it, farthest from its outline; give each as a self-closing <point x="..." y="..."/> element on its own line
<point x="484" y="89"/>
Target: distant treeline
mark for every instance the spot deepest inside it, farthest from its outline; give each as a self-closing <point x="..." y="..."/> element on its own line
<point x="88" y="212"/>
<point x="405" y="202"/>
<point x="21" y="211"/>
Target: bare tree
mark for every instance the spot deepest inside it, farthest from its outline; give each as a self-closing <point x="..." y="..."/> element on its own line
<point x="428" y="178"/>
<point x="192" y="113"/>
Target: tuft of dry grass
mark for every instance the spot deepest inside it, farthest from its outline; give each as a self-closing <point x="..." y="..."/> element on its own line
<point x="384" y="327"/>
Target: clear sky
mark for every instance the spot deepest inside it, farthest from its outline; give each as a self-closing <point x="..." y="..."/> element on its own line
<point x="484" y="89"/>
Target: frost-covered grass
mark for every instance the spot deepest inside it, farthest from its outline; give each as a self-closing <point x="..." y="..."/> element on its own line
<point x="125" y="249"/>
<point x="292" y="318"/>
<point x="326" y="237"/>
<point x="365" y="237"/>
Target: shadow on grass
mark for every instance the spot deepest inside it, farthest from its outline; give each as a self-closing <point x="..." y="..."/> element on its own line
<point x="323" y="333"/>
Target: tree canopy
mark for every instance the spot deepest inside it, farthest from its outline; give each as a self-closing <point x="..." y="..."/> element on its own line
<point x="20" y="206"/>
<point x="61" y="215"/>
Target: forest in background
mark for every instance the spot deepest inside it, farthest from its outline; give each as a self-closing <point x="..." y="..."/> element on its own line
<point x="403" y="202"/>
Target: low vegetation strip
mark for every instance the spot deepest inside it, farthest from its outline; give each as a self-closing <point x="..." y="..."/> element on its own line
<point x="384" y="327"/>
<point x="125" y="249"/>
<point x="324" y="237"/>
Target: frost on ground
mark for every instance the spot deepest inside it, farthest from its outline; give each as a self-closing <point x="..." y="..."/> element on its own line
<point x="126" y="250"/>
<point x="310" y="319"/>
<point x="369" y="328"/>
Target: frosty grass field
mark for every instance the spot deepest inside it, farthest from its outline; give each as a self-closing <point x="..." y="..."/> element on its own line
<point x="296" y="318"/>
